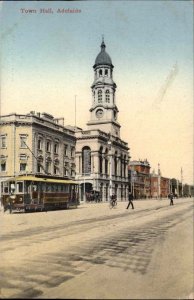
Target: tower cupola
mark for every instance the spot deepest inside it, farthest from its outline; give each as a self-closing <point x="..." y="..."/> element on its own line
<point x="103" y="109"/>
<point x="103" y="57"/>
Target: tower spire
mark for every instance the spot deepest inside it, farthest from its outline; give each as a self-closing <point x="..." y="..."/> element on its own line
<point x="103" y="46"/>
<point x="159" y="171"/>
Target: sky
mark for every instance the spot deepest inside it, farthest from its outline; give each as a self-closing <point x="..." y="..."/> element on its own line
<point x="47" y="61"/>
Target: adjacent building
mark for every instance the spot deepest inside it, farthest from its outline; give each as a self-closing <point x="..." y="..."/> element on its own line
<point x="160" y="185"/>
<point x="139" y="179"/>
<point x="36" y="144"/>
<point x="102" y="157"/>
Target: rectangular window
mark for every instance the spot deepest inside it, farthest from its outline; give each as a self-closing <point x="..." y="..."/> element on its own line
<point x="3" y="141"/>
<point x="3" y="167"/>
<point x="56" y="148"/>
<point x="72" y="151"/>
<point x="23" y="167"/>
<point x="6" y="188"/>
<point x="65" y="172"/>
<point x="19" y="187"/>
<point x="56" y="170"/>
<point x="39" y="168"/>
<point x="65" y="150"/>
<point x="23" y="139"/>
<point x="48" y="146"/>
<point x="40" y="144"/>
<point x="48" y="167"/>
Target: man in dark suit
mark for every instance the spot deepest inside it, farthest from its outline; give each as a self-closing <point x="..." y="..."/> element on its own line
<point x="130" y="198"/>
<point x="171" y="199"/>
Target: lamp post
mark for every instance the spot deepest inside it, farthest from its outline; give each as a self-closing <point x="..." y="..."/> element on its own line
<point x="133" y="175"/>
<point x="181" y="182"/>
<point x="82" y="181"/>
<point x="110" y="167"/>
<point x="84" y="195"/>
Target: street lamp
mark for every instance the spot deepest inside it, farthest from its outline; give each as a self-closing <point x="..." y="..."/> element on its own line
<point x="110" y="167"/>
<point x="133" y="174"/>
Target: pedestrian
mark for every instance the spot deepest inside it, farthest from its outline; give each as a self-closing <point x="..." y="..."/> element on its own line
<point x="114" y="200"/>
<point x="130" y="199"/>
<point x="171" y="199"/>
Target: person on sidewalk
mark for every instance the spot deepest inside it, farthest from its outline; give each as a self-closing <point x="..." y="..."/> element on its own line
<point x="130" y="199"/>
<point x="171" y="199"/>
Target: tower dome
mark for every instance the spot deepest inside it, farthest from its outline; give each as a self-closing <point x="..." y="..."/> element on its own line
<point x="103" y="58"/>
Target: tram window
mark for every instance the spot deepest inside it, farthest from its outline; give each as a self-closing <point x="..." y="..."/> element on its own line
<point x="48" y="187"/>
<point x="12" y="188"/>
<point x="19" y="187"/>
<point x="6" y="189"/>
<point x="27" y="187"/>
<point x="42" y="187"/>
<point x="67" y="188"/>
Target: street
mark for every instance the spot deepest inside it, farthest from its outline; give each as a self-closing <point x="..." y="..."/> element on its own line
<point x="94" y="252"/>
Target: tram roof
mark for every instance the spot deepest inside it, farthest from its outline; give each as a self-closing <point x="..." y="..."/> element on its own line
<point x="40" y="179"/>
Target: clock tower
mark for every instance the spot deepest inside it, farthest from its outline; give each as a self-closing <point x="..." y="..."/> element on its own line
<point x="103" y="111"/>
<point x="101" y="155"/>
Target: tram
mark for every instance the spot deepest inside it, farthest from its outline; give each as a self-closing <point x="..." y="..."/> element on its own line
<point x="31" y="193"/>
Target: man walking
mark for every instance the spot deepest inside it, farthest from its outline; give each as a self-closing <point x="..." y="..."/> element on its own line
<point x="130" y="198"/>
<point x="171" y="199"/>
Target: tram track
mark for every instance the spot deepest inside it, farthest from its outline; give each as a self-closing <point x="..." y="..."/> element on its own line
<point x="41" y="230"/>
<point x="129" y="248"/>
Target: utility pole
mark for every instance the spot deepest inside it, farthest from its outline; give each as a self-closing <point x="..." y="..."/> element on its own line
<point x="159" y="181"/>
<point x="182" y="181"/>
<point x="177" y="185"/>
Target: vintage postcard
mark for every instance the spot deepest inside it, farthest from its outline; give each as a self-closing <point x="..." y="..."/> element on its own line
<point x="96" y="149"/>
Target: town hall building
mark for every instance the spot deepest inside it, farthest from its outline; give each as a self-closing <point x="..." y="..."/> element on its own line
<point x="102" y="157"/>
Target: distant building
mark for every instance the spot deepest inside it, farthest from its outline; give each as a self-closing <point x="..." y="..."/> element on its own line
<point x="139" y="178"/>
<point x="160" y="186"/>
<point x="101" y="155"/>
<point x="36" y="144"/>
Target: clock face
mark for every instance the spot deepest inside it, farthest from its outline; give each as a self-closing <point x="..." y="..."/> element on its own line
<point x="99" y="113"/>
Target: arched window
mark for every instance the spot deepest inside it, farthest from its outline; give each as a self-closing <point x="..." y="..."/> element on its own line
<point x="106" y="72"/>
<point x="100" y="72"/>
<point x="115" y="163"/>
<point x="125" y="163"/>
<point x="86" y="160"/>
<point x="121" y="165"/>
<point x="106" y="162"/>
<point x="100" y="160"/>
<point x="107" y="96"/>
<point x="100" y="96"/>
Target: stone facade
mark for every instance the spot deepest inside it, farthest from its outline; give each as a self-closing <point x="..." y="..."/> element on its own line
<point x="36" y="144"/>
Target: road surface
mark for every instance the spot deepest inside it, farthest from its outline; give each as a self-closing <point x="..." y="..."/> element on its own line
<point x="95" y="252"/>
